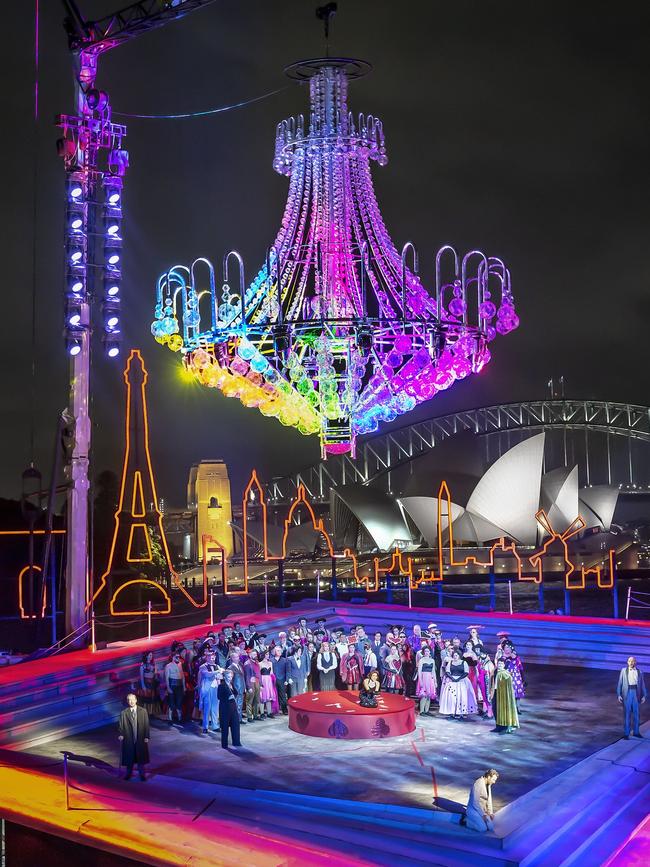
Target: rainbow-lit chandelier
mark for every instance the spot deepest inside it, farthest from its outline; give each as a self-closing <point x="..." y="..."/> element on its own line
<point x="335" y="334"/>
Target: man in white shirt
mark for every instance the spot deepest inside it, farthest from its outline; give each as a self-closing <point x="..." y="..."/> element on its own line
<point x="480" y="813"/>
<point x="631" y="694"/>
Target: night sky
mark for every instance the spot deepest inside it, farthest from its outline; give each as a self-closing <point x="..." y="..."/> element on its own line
<point x="518" y="128"/>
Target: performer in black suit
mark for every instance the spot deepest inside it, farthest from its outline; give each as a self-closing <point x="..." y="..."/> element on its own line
<point x="134" y="737"/>
<point x="228" y="712"/>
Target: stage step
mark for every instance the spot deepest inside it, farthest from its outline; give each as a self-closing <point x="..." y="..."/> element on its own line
<point x="408" y="836"/>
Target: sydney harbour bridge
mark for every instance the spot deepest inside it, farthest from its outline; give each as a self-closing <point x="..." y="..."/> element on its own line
<point x="610" y="443"/>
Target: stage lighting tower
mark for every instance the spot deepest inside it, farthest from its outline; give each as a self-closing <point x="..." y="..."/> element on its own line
<point x="95" y="162"/>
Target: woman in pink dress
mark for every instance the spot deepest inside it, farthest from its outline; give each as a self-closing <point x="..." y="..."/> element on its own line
<point x="393" y="679"/>
<point x="268" y="691"/>
<point x="426" y="680"/>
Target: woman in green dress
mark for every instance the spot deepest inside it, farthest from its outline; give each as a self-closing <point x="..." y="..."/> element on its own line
<point x="502" y="696"/>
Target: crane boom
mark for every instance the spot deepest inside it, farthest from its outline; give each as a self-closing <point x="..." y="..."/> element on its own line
<point x="96" y="37"/>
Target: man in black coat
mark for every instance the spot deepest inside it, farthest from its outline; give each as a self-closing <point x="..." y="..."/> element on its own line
<point x="228" y="711"/>
<point x="279" y="663"/>
<point x="134" y="737"/>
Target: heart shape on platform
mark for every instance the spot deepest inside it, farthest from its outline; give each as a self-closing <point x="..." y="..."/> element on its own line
<point x="302" y="720"/>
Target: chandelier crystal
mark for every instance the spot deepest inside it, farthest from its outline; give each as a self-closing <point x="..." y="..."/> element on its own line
<point x="335" y="334"/>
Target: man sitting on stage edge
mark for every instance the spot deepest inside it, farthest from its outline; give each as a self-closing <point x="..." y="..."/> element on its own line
<point x="134" y="737"/>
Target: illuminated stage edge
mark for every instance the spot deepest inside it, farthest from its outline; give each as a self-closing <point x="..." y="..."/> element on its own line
<point x="338" y="714"/>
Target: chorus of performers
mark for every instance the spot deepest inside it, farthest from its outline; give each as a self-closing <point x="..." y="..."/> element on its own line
<point x="452" y="677"/>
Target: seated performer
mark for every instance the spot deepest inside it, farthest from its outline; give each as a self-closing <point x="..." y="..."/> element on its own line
<point x="369" y="689"/>
<point x="480" y="814"/>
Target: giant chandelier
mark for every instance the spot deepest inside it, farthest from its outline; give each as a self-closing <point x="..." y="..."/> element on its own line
<point x="335" y="334"/>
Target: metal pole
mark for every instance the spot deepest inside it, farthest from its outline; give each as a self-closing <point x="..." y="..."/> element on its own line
<point x="493" y="592"/>
<point x="317" y="587"/>
<point x="540" y="596"/>
<point x="266" y="593"/>
<point x="211" y="607"/>
<point x="627" y="607"/>
<point x="149" y="620"/>
<point x="567" y="601"/>
<point x="335" y="585"/>
<point x="409" y="581"/>
<point x="77" y="536"/>
<point x="93" y="646"/>
<point x="510" y="593"/>
<point x="615" y="596"/>
<point x="281" y="600"/>
<point x="65" y="781"/>
<point x="389" y="589"/>
<point x="441" y="595"/>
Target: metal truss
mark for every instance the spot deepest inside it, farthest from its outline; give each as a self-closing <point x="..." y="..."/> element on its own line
<point x="378" y="455"/>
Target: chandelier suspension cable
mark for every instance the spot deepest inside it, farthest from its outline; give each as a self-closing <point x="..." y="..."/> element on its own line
<point x="209" y="111"/>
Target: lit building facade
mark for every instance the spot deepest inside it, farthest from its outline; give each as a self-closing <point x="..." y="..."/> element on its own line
<point x="209" y="499"/>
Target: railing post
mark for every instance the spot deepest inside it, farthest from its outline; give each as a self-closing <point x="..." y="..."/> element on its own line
<point x="627" y="607"/>
<point x="510" y="593"/>
<point x="211" y="607"/>
<point x="493" y="592"/>
<point x="334" y="585"/>
<point x="266" y="593"/>
<point x="540" y="596"/>
<point x="615" y="596"/>
<point x="317" y="587"/>
<point x="65" y="780"/>
<point x="567" y="601"/>
<point x="389" y="589"/>
<point x="281" y="599"/>
<point x="441" y="593"/>
<point x="149" y="620"/>
<point x="93" y="646"/>
<point x="408" y="578"/>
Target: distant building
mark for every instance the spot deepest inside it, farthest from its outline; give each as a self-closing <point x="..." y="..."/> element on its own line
<point x="208" y="498"/>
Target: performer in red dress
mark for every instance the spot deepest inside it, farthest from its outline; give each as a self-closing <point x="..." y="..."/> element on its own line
<point x="393" y="679"/>
<point x="352" y="668"/>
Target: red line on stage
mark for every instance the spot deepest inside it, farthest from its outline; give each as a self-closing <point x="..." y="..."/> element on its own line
<point x="434" y="782"/>
<point x="417" y="753"/>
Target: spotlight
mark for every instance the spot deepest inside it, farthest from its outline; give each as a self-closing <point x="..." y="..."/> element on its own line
<point x="76" y="191"/>
<point x="113" y="229"/>
<point x="76" y="256"/>
<point x="76" y="285"/>
<point x="112" y="190"/>
<point x="112" y="290"/>
<point x="112" y="344"/>
<point x="96" y="99"/>
<point x="74" y="314"/>
<point x="118" y="162"/>
<point x="111" y="314"/>
<point x="73" y="341"/>
<point x="76" y="222"/>
<point x="114" y="258"/>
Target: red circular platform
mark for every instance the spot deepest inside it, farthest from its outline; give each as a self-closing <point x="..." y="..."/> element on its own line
<point x="338" y="714"/>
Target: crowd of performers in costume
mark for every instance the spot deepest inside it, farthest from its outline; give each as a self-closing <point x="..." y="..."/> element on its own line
<point x="450" y="677"/>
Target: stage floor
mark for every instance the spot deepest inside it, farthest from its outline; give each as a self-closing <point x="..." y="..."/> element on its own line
<point x="569" y="714"/>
